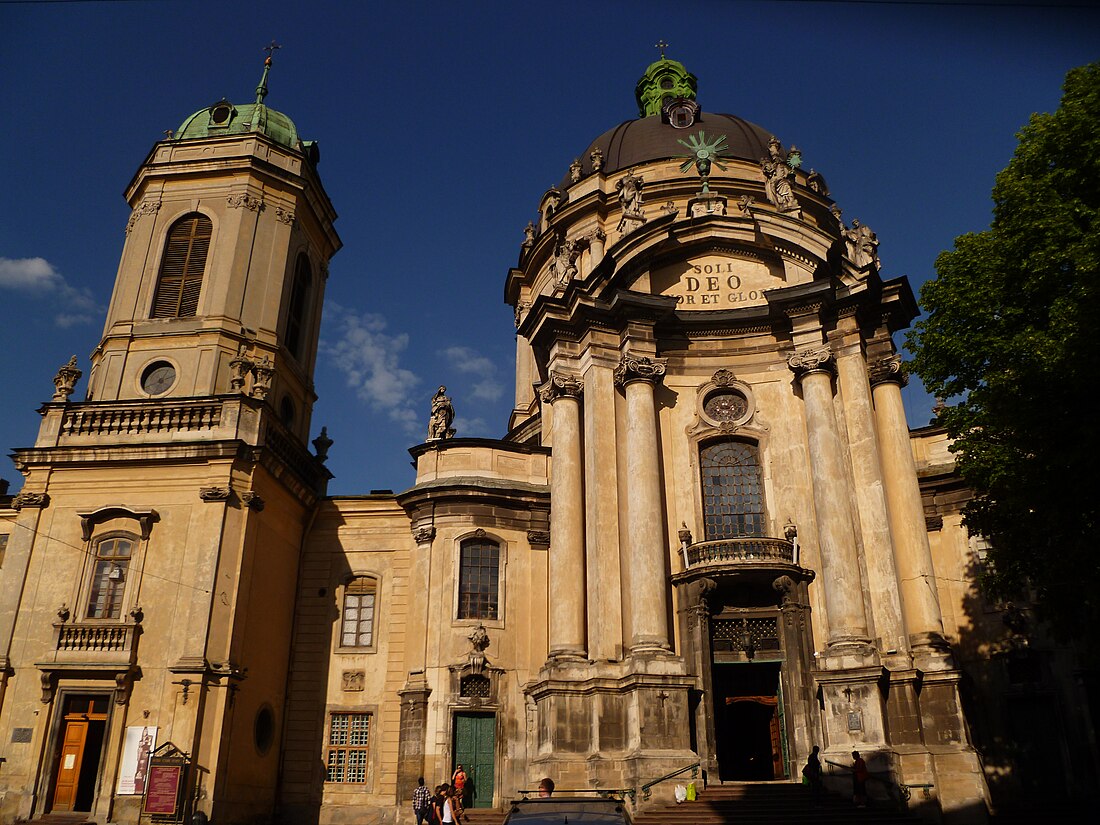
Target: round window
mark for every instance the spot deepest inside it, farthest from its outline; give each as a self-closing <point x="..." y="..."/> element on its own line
<point x="726" y="406"/>
<point x="158" y="378"/>
<point x="220" y="113"/>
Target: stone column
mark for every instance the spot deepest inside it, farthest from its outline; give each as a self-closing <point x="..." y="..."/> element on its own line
<point x="840" y="577"/>
<point x="874" y="521"/>
<point x="567" y="607"/>
<point x="646" y="554"/>
<point x="913" y="555"/>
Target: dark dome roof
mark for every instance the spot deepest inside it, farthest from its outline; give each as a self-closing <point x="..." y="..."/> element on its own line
<point x="648" y="139"/>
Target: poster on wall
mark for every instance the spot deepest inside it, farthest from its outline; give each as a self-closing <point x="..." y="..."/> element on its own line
<point x="133" y="773"/>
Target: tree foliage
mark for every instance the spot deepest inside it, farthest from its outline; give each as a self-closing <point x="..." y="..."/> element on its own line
<point x="1012" y="340"/>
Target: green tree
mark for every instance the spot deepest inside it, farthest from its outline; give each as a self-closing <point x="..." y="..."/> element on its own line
<point x="1012" y="340"/>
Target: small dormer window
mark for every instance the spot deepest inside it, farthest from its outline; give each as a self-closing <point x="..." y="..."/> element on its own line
<point x="220" y="114"/>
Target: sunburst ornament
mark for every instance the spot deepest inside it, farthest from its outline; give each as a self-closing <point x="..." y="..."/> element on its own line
<point x="704" y="154"/>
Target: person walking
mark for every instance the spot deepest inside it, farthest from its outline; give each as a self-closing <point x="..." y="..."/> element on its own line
<point x="422" y="803"/>
<point x="812" y="773"/>
<point x="446" y="809"/>
<point x="860" y="775"/>
<point x="458" y="783"/>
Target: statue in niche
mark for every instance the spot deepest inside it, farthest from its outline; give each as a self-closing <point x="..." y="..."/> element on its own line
<point x="778" y="178"/>
<point x="862" y="245"/>
<point x="564" y="265"/>
<point x="443" y="413"/>
<point x="630" y="198"/>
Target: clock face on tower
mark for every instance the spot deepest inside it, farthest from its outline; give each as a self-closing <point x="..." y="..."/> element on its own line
<point x="158" y="378"/>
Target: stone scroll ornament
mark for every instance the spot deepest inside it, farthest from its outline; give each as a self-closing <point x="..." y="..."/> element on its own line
<point x="65" y="380"/>
<point x="561" y="385"/>
<point x="443" y="414"/>
<point x="815" y="359"/>
<point x="640" y="368"/>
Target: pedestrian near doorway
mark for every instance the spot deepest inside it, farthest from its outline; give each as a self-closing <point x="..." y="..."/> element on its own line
<point x="812" y="774"/>
<point x="860" y="776"/>
<point x="458" y="782"/>
<point x="422" y="802"/>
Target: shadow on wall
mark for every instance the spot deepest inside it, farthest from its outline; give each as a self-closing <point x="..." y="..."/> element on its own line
<point x="1028" y="703"/>
<point x="303" y="771"/>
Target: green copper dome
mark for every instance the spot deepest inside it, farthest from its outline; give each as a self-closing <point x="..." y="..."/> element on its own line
<point x="225" y="118"/>
<point x="664" y="80"/>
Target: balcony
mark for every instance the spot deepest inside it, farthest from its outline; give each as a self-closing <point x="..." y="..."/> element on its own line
<point x="99" y="645"/>
<point x="735" y="555"/>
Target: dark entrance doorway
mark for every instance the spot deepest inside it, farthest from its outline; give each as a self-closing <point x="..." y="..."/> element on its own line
<point x="80" y="748"/>
<point x="475" y="750"/>
<point x="748" y="729"/>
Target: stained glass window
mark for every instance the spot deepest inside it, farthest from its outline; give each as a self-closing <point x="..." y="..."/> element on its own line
<point x="733" y="497"/>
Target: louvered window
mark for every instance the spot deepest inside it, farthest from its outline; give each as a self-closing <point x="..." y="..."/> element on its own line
<point x="299" y="302"/>
<point x="180" y="279"/>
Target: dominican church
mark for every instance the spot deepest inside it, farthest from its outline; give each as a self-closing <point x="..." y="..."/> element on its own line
<point x="706" y="542"/>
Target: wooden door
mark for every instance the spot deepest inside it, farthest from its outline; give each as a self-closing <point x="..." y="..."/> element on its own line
<point x="475" y="750"/>
<point x="68" y="769"/>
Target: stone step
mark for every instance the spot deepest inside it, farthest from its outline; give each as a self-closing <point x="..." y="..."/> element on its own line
<point x="484" y="816"/>
<point x="66" y="818"/>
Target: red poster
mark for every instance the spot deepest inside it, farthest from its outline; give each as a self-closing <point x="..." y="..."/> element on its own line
<point x="163" y="787"/>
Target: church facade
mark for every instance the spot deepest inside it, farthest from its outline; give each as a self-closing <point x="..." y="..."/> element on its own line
<point x="708" y="539"/>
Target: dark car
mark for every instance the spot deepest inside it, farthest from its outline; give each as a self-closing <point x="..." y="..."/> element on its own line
<point x="568" y="810"/>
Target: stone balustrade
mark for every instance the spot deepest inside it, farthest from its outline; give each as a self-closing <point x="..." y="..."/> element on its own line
<point x="742" y="550"/>
<point x="138" y="418"/>
<point x="89" y="638"/>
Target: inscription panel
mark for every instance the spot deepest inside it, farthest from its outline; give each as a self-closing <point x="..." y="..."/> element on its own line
<point x="717" y="282"/>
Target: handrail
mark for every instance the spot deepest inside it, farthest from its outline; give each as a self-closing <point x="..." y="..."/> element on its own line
<point x="905" y="791"/>
<point x="694" y="768"/>
<point x="620" y="794"/>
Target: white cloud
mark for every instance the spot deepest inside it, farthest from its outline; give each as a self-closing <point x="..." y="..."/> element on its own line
<point x="487" y="386"/>
<point x="473" y="428"/>
<point x="38" y="277"/>
<point x="370" y="357"/>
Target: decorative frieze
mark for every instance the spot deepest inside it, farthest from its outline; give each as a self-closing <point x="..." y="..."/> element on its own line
<point x="146" y="207"/>
<point x="243" y="200"/>
<point x="561" y="385"/>
<point x="29" y="499"/>
<point x="888" y="370"/>
<point x="252" y="500"/>
<point x="811" y="360"/>
<point x="640" y="368"/>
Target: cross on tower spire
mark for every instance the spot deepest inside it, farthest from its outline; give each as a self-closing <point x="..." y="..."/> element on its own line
<point x="661" y="45"/>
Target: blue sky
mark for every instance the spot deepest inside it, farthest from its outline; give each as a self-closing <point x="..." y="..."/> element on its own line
<point x="441" y="125"/>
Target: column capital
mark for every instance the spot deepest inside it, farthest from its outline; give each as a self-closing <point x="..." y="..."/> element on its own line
<point x="888" y="370"/>
<point x="812" y="359"/>
<point x="640" y="368"/>
<point x="561" y="385"/>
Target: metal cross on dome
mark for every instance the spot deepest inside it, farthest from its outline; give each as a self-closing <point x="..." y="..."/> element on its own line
<point x="271" y="49"/>
<point x="661" y="45"/>
<point x="704" y="154"/>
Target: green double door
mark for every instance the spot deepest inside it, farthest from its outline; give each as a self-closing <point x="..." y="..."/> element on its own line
<point x="475" y="747"/>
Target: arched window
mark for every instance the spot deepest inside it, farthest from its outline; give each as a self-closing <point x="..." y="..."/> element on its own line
<point x="733" y="495"/>
<point x="357" y="626"/>
<point x="180" y="278"/>
<point x="479" y="579"/>
<point x="299" y="303"/>
<point x="110" y="570"/>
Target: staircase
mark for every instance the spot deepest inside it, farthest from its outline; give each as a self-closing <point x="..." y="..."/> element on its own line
<point x="484" y="816"/>
<point x="769" y="803"/>
<point x="62" y="819"/>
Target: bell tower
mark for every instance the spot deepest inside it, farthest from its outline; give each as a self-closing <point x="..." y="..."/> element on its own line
<point x="223" y="269"/>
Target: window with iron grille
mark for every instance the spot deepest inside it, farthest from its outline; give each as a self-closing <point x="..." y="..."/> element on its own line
<point x="474" y="687"/>
<point x="357" y="623"/>
<point x="733" y="498"/>
<point x="478" y="579"/>
<point x="299" y="303"/>
<point x="180" y="280"/>
<point x="347" y="751"/>
<point x="110" y="569"/>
